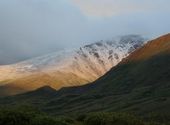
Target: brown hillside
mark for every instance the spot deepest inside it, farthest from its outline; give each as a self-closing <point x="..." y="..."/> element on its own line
<point x="159" y="45"/>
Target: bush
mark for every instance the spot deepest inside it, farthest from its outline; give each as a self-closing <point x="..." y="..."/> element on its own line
<point x="13" y="117"/>
<point x="112" y="119"/>
<point x="31" y="116"/>
<point x="46" y="120"/>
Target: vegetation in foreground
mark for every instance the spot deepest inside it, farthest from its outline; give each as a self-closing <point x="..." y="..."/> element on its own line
<point x="31" y="116"/>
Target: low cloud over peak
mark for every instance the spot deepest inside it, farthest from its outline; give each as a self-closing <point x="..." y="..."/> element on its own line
<point x="30" y="28"/>
<point x="109" y="8"/>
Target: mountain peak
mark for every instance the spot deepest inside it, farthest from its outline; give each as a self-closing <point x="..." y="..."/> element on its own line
<point x="46" y="89"/>
<point x="70" y="67"/>
<point x="43" y="91"/>
<point x="153" y="47"/>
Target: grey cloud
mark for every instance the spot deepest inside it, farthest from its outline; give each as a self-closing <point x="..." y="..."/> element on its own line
<point x="31" y="28"/>
<point x="108" y="8"/>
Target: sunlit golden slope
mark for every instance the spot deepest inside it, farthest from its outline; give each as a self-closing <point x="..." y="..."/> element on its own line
<point x="67" y="68"/>
<point x="41" y="79"/>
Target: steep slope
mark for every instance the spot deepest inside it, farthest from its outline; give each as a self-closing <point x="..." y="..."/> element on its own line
<point x="140" y="84"/>
<point x="67" y="68"/>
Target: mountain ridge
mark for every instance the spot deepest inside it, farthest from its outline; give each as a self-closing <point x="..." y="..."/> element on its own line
<point x="159" y="46"/>
<point x="70" y="68"/>
<point x="139" y="87"/>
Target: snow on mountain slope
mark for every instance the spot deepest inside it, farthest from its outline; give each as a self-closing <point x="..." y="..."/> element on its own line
<point x="70" y="67"/>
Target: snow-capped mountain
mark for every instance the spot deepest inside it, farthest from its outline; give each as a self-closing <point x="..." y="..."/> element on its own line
<point x="70" y="67"/>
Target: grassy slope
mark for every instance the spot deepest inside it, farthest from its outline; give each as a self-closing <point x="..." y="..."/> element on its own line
<point x="32" y="82"/>
<point x="140" y="84"/>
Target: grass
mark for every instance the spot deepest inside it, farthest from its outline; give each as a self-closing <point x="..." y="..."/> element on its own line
<point x="26" y="115"/>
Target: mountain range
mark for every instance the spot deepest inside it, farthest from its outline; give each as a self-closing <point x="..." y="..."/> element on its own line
<point x="140" y="84"/>
<point x="68" y="67"/>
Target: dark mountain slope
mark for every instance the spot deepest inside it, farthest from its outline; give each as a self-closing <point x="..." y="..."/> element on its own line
<point x="140" y="84"/>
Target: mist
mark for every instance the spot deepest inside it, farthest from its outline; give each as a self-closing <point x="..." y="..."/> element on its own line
<point x="30" y="28"/>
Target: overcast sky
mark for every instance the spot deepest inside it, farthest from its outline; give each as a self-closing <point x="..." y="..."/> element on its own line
<point x="31" y="28"/>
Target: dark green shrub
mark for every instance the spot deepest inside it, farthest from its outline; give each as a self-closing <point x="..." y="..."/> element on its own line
<point x="14" y="117"/>
<point x="46" y="120"/>
<point x="112" y="119"/>
<point x="29" y="116"/>
<point x="67" y="120"/>
<point x="81" y="118"/>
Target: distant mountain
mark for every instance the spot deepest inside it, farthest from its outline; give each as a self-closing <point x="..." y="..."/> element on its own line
<point x="140" y="83"/>
<point x="67" y="68"/>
